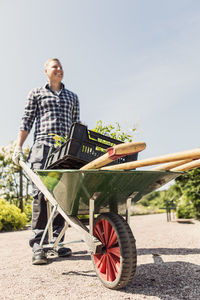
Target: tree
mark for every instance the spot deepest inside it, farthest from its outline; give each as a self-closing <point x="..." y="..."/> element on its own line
<point x="189" y="186"/>
<point x="185" y="193"/>
<point x="13" y="181"/>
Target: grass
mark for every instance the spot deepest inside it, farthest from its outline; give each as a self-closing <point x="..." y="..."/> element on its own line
<point x="139" y="209"/>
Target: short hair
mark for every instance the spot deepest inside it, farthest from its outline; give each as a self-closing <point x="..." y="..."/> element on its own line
<point x="49" y="60"/>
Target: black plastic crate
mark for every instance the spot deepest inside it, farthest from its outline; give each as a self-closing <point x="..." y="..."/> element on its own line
<point x="81" y="147"/>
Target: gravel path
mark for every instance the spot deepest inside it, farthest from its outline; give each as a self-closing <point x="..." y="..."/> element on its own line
<point x="168" y="266"/>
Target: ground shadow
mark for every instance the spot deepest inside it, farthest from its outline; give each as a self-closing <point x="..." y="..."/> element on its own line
<point x="168" y="251"/>
<point x="83" y="273"/>
<point x="177" y="280"/>
<point x="185" y="221"/>
<point x="78" y="255"/>
<point x="167" y="280"/>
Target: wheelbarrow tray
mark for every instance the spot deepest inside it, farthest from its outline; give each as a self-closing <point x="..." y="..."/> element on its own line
<point x="73" y="189"/>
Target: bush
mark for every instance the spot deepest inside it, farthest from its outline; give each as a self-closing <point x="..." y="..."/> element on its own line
<point x="115" y="131"/>
<point x="154" y="199"/>
<point x="185" y="208"/>
<point x="28" y="211"/>
<point x="189" y="185"/>
<point x="11" y="217"/>
<point x="184" y="212"/>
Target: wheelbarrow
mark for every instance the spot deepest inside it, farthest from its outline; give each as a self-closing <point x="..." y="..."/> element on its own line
<point x="102" y="195"/>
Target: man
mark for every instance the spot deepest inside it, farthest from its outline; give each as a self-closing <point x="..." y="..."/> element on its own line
<point x="54" y="109"/>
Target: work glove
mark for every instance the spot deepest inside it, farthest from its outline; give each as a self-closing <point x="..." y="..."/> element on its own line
<point x="17" y="155"/>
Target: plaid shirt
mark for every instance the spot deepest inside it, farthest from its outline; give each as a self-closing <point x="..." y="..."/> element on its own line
<point x="52" y="112"/>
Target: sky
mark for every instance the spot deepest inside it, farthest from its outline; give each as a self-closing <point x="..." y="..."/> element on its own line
<point x="136" y="62"/>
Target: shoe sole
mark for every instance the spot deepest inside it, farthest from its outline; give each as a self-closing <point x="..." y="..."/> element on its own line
<point x="39" y="262"/>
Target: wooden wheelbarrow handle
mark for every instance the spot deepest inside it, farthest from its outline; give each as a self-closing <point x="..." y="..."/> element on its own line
<point x="171" y="165"/>
<point x="114" y="153"/>
<point x="189" y="154"/>
<point x="188" y="166"/>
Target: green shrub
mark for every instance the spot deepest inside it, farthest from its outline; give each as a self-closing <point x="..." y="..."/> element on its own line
<point x="28" y="211"/>
<point x="11" y="217"/>
<point x="184" y="212"/>
<point x="115" y="131"/>
<point x="185" y="208"/>
<point x="154" y="199"/>
<point x="189" y="185"/>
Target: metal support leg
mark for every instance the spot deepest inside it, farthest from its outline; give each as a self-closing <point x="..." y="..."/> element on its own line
<point x="91" y="211"/>
<point x="48" y="224"/>
<point x="128" y="210"/>
<point x="50" y="228"/>
<point x="60" y="235"/>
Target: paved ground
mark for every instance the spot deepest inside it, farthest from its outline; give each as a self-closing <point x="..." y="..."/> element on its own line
<point x="168" y="266"/>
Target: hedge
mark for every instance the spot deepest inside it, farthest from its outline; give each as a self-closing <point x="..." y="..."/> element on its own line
<point x="11" y="217"/>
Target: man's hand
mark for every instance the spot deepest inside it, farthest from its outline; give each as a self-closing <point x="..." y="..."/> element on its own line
<point x="17" y="155"/>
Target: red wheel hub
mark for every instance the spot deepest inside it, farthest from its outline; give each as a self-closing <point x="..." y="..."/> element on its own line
<point x="107" y="262"/>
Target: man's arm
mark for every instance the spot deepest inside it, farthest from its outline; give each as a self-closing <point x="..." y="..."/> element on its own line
<point x="22" y="135"/>
<point x="29" y="114"/>
<point x="25" y="126"/>
<point x="18" y="153"/>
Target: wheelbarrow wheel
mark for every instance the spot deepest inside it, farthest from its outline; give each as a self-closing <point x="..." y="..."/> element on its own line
<point x="115" y="263"/>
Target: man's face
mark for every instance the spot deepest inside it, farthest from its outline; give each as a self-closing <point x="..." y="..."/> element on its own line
<point x="54" y="71"/>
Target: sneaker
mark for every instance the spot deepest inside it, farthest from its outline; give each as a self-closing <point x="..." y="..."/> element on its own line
<point x="39" y="258"/>
<point x="64" y="252"/>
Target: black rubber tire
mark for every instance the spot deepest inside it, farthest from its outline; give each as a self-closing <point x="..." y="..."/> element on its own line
<point x="128" y="254"/>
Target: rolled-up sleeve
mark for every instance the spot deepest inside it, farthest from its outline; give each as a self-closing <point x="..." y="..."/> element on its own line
<point x="76" y="110"/>
<point x="29" y="112"/>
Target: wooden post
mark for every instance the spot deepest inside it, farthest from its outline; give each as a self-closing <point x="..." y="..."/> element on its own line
<point x="21" y="189"/>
